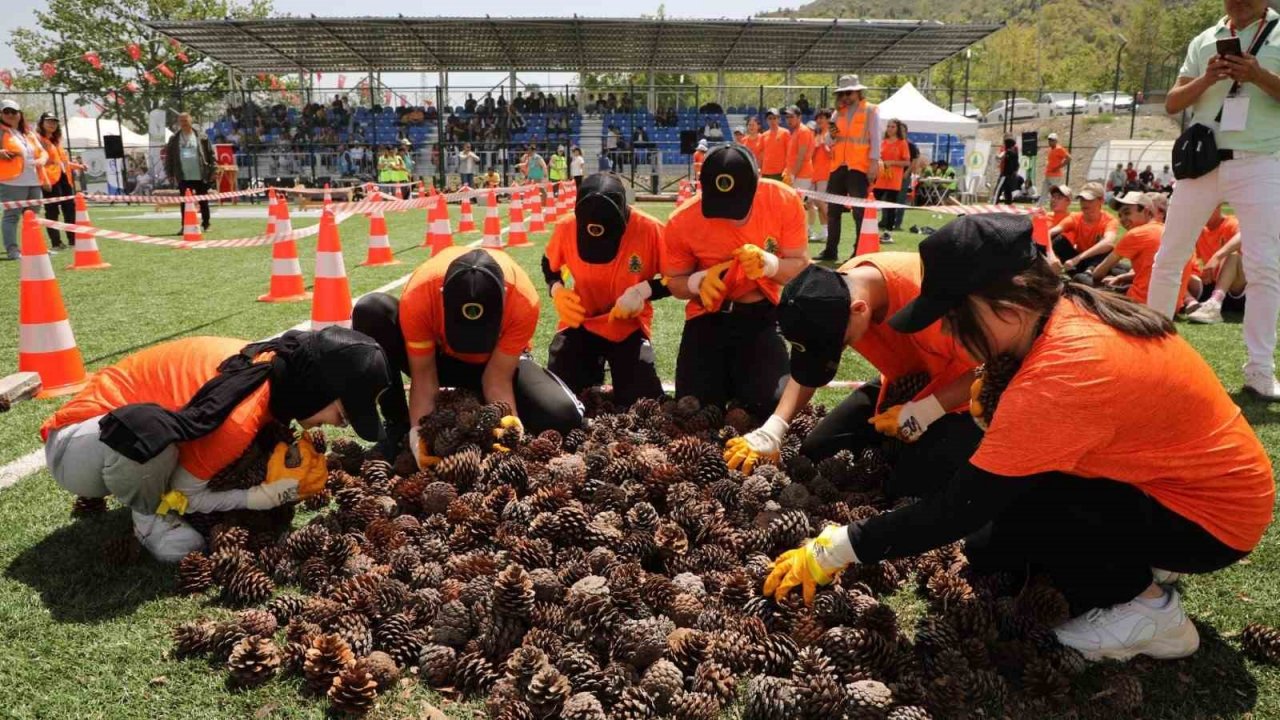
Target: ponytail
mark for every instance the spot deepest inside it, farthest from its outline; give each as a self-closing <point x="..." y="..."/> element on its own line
<point x="1120" y="312"/>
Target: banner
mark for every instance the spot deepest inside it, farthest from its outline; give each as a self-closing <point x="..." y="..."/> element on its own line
<point x="95" y="170"/>
<point x="157" y="122"/>
<point x="977" y="154"/>
<point x="115" y="176"/>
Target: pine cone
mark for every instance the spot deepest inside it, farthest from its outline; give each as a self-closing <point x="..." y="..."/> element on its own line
<point x="285" y="608"/>
<point x="87" y="506"/>
<point x="257" y="622"/>
<point x="1041" y="681"/>
<point x="253" y="661"/>
<point x="475" y="673"/>
<point x="1043" y="604"/>
<point x="583" y="706"/>
<point x="663" y="681"/>
<point x="353" y="628"/>
<point x="436" y="664"/>
<point x="247" y="586"/>
<point x="770" y="698"/>
<point x="635" y="703"/>
<point x="353" y="691"/>
<point x="1123" y="692"/>
<point x="192" y="638"/>
<point x="640" y="642"/>
<point x="715" y="680"/>
<point x="195" y="573"/>
<point x="996" y="376"/>
<point x="1262" y="643"/>
<point x="909" y="712"/>
<point x="381" y="667"/>
<point x="695" y="706"/>
<point x="513" y="593"/>
<point x="327" y="656"/>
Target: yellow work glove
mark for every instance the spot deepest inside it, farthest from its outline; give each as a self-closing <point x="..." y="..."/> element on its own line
<point x="568" y="306"/>
<point x="173" y="500"/>
<point x="420" y="449"/>
<point x="507" y="423"/>
<point x="300" y="463"/>
<point x="787" y="178"/>
<point x="709" y="284"/>
<point x="975" y="404"/>
<point x="756" y="262"/>
<point x="812" y="564"/>
<point x="909" y="421"/>
<point x="765" y="443"/>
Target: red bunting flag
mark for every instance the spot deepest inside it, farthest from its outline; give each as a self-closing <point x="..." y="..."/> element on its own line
<point x="48" y="69"/>
<point x="319" y="76"/>
<point x="183" y="57"/>
<point x="92" y="58"/>
<point x="135" y="52"/>
<point x="6" y="77"/>
<point x="173" y="43"/>
<point x="262" y="78"/>
<point x="132" y="86"/>
<point x="151" y="79"/>
<point x="164" y="70"/>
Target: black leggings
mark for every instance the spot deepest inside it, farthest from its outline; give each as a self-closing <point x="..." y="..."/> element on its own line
<point x="922" y="468"/>
<point x="578" y="356"/>
<point x="67" y="208"/>
<point x="887" y="217"/>
<point x="1004" y="191"/>
<point x="852" y="183"/>
<point x="542" y="401"/>
<point x="737" y="356"/>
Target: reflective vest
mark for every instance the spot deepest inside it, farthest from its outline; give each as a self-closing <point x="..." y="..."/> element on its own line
<point x="559" y="167"/>
<point x="852" y="144"/>
<point x="59" y="162"/>
<point x="12" y="167"/>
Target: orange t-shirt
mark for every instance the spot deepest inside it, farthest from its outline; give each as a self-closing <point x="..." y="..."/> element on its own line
<point x="1056" y="165"/>
<point x="1139" y="246"/>
<point x="897" y="354"/>
<point x="599" y="285"/>
<point x="1061" y="413"/>
<point x="169" y="375"/>
<point x="773" y="151"/>
<point x="776" y="223"/>
<point x="1057" y="218"/>
<point x="755" y="143"/>
<point x="1084" y="235"/>
<point x="801" y="137"/>
<point x="698" y="157"/>
<point x="1211" y="240"/>
<point x="422" y="319"/>
<point x="821" y="160"/>
<point x="890" y="178"/>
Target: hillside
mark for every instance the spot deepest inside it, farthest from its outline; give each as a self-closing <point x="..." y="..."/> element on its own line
<point x="953" y="11"/>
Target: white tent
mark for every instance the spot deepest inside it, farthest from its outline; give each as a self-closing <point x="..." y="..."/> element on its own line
<point x="88" y="132"/>
<point x="922" y="116"/>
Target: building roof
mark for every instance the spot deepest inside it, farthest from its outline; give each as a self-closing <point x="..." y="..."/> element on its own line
<point x="401" y="44"/>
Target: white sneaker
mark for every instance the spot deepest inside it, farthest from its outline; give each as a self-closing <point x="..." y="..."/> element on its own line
<point x="886" y="238"/>
<point x="1123" y="631"/>
<point x="1165" y="577"/>
<point x="1263" y="384"/>
<point x="1209" y="313"/>
<point x="167" y="537"/>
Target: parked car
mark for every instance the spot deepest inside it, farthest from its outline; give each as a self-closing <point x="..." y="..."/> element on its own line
<point x="1111" y="102"/>
<point x="1052" y="104"/>
<point x="1017" y="109"/>
<point x="968" y="110"/>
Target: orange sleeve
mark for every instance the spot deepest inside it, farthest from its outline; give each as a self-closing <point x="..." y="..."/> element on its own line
<point x="520" y="322"/>
<point x="791" y="214"/>
<point x="678" y="257"/>
<point x="554" y="255"/>
<point x="1069" y="224"/>
<point x="416" y="320"/>
<point x="1113" y="225"/>
<point x="1125" y="245"/>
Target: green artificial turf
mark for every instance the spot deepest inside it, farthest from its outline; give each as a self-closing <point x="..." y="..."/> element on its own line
<point x="82" y="640"/>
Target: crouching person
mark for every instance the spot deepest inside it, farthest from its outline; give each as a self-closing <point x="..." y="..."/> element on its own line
<point x="154" y="428"/>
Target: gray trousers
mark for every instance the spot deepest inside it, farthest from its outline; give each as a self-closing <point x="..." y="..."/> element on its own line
<point x="12" y="216"/>
<point x="82" y="465"/>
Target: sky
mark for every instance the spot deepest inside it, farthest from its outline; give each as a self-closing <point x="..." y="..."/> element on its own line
<point x="19" y="13"/>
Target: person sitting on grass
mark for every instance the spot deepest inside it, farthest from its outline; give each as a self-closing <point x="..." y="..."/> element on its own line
<point x="1084" y="238"/>
<point x="1110" y="506"/>
<point x="156" y="427"/>
<point x="1059" y="204"/>
<point x="1221" y="278"/>
<point x="1142" y="215"/>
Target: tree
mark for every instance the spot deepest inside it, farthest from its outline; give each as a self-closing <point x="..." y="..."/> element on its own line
<point x="68" y="29"/>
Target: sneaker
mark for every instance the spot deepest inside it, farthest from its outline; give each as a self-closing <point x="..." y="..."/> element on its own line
<point x="1165" y="577"/>
<point x="1263" y="384"/>
<point x="167" y="537"/>
<point x="12" y="254"/>
<point x="1124" y="631"/>
<point x="817" y="238"/>
<point x="886" y="238"/>
<point x="826" y="257"/>
<point x="1209" y="313"/>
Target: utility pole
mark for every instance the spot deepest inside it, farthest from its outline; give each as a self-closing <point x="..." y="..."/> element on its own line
<point x="1115" y="89"/>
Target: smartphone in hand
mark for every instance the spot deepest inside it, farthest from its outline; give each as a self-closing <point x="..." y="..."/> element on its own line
<point x="1229" y="46"/>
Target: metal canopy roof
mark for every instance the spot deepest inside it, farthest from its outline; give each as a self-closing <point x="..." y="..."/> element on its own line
<point x="289" y="44"/>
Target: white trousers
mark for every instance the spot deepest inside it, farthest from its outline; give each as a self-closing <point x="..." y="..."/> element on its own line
<point x="1251" y="184"/>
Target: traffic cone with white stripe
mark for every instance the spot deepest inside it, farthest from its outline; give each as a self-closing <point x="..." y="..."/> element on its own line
<point x="86" y="255"/>
<point x="536" y="223"/>
<point x="467" y="223"/>
<point x="272" y="199"/>
<point x="441" y="231"/>
<point x="46" y="345"/>
<point x="568" y="196"/>
<point x="287" y="284"/>
<point x="328" y="197"/>
<point x="869" y="238"/>
<point x="190" y="225"/>
<point x="553" y="205"/>
<point x="683" y="193"/>
<point x="379" y="245"/>
<point x="517" y="235"/>
<point x="332" y="302"/>
<point x="492" y="223"/>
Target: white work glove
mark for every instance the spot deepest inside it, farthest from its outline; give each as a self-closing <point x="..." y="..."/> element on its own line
<point x="695" y="282"/>
<point x="909" y="421"/>
<point x="631" y="302"/>
<point x="756" y="262"/>
<point x="271" y="495"/>
<point x="763" y="443"/>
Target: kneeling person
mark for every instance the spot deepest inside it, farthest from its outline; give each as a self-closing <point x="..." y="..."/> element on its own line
<point x="601" y="266"/>
<point x="153" y="429"/>
<point x="465" y="320"/>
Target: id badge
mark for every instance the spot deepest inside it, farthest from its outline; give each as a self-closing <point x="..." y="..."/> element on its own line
<point x="1235" y="113"/>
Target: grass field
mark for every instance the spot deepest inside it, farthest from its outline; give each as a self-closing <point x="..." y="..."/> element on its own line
<point x="81" y="640"/>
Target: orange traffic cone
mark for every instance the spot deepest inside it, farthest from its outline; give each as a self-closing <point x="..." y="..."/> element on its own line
<point x="566" y="197"/>
<point x="86" y="255"/>
<point x="683" y="193"/>
<point x="869" y="238"/>
<point x="286" y="271"/>
<point x="536" y="223"/>
<point x="492" y="223"/>
<point x="46" y="345"/>
<point x="190" y="225"/>
<point x="328" y="196"/>
<point x="332" y="303"/>
<point x="271" y="212"/>
<point x="553" y="203"/>
<point x="441" y="231"/>
<point x="1040" y="229"/>
<point x="517" y="235"/>
<point x="468" y="221"/>
<point x="379" y="245"/>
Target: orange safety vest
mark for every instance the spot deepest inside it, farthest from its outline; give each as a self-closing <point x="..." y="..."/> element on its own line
<point x="59" y="161"/>
<point x="12" y="167"/>
<point x="852" y="144"/>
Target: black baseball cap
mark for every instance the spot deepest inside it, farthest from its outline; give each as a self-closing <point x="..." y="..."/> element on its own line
<point x="332" y="364"/>
<point x="601" y="213"/>
<point x="813" y="314"/>
<point x="964" y="256"/>
<point x="728" y="179"/>
<point x="474" y="291"/>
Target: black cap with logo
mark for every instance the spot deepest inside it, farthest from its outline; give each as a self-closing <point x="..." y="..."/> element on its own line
<point x="728" y="179"/>
<point x="602" y="214"/>
<point x="474" y="291"/>
<point x="813" y="314"/>
<point x="964" y="256"/>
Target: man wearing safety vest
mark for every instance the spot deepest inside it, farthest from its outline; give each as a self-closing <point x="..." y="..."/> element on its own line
<point x="156" y="427"/>
<point x="855" y="156"/>
<point x="465" y="320"/>
<point x="729" y="251"/>
<point x="559" y="170"/>
<point x="602" y="268"/>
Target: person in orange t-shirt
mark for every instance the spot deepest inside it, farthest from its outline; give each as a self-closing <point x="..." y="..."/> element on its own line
<point x="1108" y="499"/>
<point x="799" y="170"/>
<point x="773" y="147"/>
<point x="603" y="267"/>
<point x="1084" y="238"/>
<point x="728" y="251"/>
<point x="1055" y="167"/>
<point x="465" y="320"/>
<point x="1059" y="204"/>
<point x="1142" y="215"/>
<point x="1221" y="277"/>
<point x="821" y="168"/>
<point x="156" y="427"/>
<point x="822" y="312"/>
<point x="895" y="158"/>
<point x="699" y="155"/>
<point x="753" y="140"/>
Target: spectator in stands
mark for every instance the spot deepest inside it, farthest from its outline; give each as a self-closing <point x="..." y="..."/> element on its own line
<point x="492" y="179"/>
<point x="487" y="106"/>
<point x="803" y="104"/>
<point x="573" y="103"/>
<point x="22" y="170"/>
<point x="773" y="147"/>
<point x="611" y="102"/>
<point x="1115" y="182"/>
<point x="189" y="161"/>
<point x="468" y="165"/>
<point x="577" y="167"/>
<point x="470" y="105"/>
<point x="895" y="158"/>
<point x="613" y="147"/>
<point x="502" y="102"/>
<point x="1130" y="177"/>
<point x="739" y="135"/>
<point x="518" y="102"/>
<point x="1008" y="182"/>
<point x="1147" y="179"/>
<point x="1165" y="181"/>
<point x="639" y="146"/>
<point x="715" y="134"/>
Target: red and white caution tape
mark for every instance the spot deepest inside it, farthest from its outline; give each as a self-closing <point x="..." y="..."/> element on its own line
<point x="171" y="199"/>
<point x="852" y="202"/>
<point x="255" y="241"/>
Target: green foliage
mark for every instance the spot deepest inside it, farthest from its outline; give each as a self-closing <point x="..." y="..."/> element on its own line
<point x="66" y="29"/>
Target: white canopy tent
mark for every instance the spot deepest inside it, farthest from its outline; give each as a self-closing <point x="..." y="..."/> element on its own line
<point x="922" y="116"/>
<point x="88" y="132"/>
